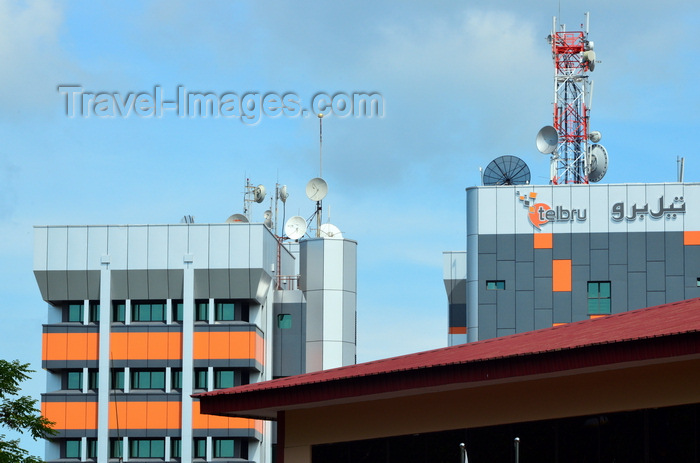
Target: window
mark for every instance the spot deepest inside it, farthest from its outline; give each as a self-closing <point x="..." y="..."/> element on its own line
<point x="175" y="447"/>
<point x="199" y="449"/>
<point x="148" y="311"/>
<point x="177" y="311"/>
<point x="200" y="378"/>
<point x="93" y="379"/>
<point x="598" y="297"/>
<point x="146" y="448"/>
<point x="92" y="448"/>
<point x="148" y="379"/>
<point x="94" y="312"/>
<point x="224" y="448"/>
<point x="71" y="448"/>
<point x="118" y="311"/>
<point x="117" y="378"/>
<point x="176" y="378"/>
<point x="284" y="321"/>
<point x="201" y="311"/>
<point x="74" y="380"/>
<point x="495" y="284"/>
<point x="224" y="378"/>
<point x="698" y="283"/>
<point x="74" y="312"/>
<point x="116" y="448"/>
<point x="225" y="311"/>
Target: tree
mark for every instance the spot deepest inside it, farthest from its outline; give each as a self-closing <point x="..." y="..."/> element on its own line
<point x="19" y="413"/>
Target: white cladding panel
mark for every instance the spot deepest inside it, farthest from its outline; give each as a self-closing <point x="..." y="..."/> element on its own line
<point x="177" y="246"/>
<point x="454" y="265"/>
<point x="218" y="246"/>
<point x="157" y="246"/>
<point x="77" y="251"/>
<point x="40" y="247"/>
<point x="138" y="248"/>
<point x="596" y="208"/>
<point x="332" y="258"/>
<point x="332" y="315"/>
<point x="199" y="246"/>
<point x="116" y="245"/>
<point x="97" y="246"/>
<point x="56" y="256"/>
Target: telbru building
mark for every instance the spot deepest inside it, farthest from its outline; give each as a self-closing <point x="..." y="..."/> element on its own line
<point x="539" y="256"/>
<point x="142" y="316"/>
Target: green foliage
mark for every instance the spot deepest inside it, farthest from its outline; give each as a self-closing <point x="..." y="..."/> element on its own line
<point x="19" y="413"/>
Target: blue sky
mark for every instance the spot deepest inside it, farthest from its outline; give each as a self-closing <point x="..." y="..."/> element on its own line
<point x="461" y="84"/>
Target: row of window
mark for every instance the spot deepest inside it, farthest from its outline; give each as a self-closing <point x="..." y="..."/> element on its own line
<point x="598" y="295"/>
<point x="156" y="311"/>
<point x="155" y="448"/>
<point x="155" y="378"/>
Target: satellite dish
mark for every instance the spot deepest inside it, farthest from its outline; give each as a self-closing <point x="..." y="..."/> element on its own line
<point x="268" y="218"/>
<point x="598" y="162"/>
<point x="295" y="227"/>
<point x="595" y="136"/>
<point x="237" y="218"/>
<point x="283" y="193"/>
<point x="506" y="170"/>
<point x="316" y="189"/>
<point x="547" y="139"/>
<point x="260" y="193"/>
<point x="328" y="230"/>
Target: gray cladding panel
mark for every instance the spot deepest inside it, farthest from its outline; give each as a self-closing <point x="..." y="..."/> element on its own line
<point x="487" y="244"/>
<point x="456" y="291"/>
<point x="599" y="240"/>
<point x="618" y="288"/>
<point x="457" y="315"/>
<point x="655" y="246"/>
<point x="543" y="293"/>
<point x="505" y="270"/>
<point x="673" y="244"/>
<point x="599" y="264"/>
<point x="487" y="321"/>
<point x="618" y="248"/>
<point x="524" y="272"/>
<point x="692" y="267"/>
<point x="524" y="312"/>
<point x="655" y="298"/>
<point x="350" y="266"/>
<point x="674" y="288"/>
<point x="543" y="263"/>
<point x="580" y="248"/>
<point x="137" y="283"/>
<point x="561" y="246"/>
<point x="506" y="308"/>
<point x="487" y="267"/>
<point x="637" y="252"/>
<point x="562" y="307"/>
<point x="543" y="318"/>
<point x="637" y="290"/>
<point x="656" y="276"/>
<point x="505" y="247"/>
<point x="524" y="248"/>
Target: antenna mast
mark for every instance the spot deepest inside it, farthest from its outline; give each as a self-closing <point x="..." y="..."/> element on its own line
<point x="573" y="57"/>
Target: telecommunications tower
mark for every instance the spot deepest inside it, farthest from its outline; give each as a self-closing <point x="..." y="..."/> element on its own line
<point x="573" y="160"/>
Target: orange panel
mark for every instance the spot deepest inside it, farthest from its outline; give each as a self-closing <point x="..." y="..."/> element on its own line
<point x="71" y="415"/>
<point x="161" y="346"/>
<point x="458" y="330"/>
<point x="691" y="238"/>
<point x="543" y="240"/>
<point x="200" y="421"/>
<point x="144" y="415"/>
<point x="224" y="345"/>
<point x="561" y="275"/>
<point x="70" y="346"/>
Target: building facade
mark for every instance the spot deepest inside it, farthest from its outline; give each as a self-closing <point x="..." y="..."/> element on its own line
<point x="140" y="317"/>
<point x="539" y="256"/>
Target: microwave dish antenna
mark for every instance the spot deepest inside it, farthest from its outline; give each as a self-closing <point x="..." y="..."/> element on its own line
<point x="506" y="170"/>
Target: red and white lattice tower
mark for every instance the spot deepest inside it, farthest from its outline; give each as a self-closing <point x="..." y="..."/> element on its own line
<point x="573" y="59"/>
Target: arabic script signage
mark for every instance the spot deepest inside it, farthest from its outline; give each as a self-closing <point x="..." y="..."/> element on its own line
<point x="676" y="207"/>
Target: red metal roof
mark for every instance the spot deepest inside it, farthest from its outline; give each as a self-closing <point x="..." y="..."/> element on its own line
<point x="645" y="334"/>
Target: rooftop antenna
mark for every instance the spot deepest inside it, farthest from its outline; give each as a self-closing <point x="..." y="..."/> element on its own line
<point x="573" y="159"/>
<point x="320" y="144"/>
<point x="681" y="168"/>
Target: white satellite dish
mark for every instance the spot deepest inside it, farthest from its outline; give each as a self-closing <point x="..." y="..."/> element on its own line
<point x="295" y="227"/>
<point x="316" y="189"/>
<point x="598" y="162"/>
<point x="283" y="193"/>
<point x="328" y="230"/>
<point x="260" y="193"/>
<point x="595" y="136"/>
<point x="237" y="218"/>
<point x="547" y="139"/>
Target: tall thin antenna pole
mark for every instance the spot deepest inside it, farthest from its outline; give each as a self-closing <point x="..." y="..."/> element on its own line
<point x="320" y="144"/>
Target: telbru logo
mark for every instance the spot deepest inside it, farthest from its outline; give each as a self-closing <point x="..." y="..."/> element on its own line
<point x="542" y="213"/>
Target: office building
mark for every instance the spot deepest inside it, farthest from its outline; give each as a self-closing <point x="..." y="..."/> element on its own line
<point x="140" y="317"/>
<point x="539" y="256"/>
